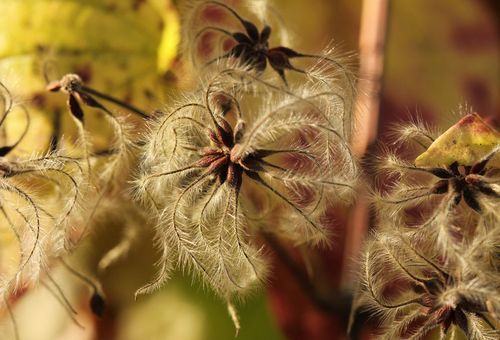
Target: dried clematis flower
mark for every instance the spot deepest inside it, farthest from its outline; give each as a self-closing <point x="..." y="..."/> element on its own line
<point x="406" y="284"/>
<point x="107" y="168"/>
<point x="453" y="182"/>
<point x="39" y="196"/>
<point x="214" y="31"/>
<point x="222" y="165"/>
<point x="118" y="153"/>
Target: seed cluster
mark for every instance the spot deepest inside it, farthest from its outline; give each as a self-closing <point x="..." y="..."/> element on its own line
<point x="434" y="262"/>
<point x="239" y="163"/>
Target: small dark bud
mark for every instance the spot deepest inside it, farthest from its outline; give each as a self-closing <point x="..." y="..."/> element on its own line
<point x="97" y="304"/>
<point x="4" y="150"/>
<point x="75" y="108"/>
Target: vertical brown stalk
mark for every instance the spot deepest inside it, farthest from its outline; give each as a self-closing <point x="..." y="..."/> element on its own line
<point x="371" y="46"/>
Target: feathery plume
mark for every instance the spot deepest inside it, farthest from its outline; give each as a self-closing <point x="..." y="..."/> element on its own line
<point x="39" y="197"/>
<point x="412" y="291"/>
<point x="224" y="163"/>
<point x="450" y="188"/>
<point x="221" y="33"/>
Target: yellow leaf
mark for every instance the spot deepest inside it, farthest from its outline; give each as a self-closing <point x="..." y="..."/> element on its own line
<point x="169" y="43"/>
<point x="466" y="142"/>
<point x="120" y="47"/>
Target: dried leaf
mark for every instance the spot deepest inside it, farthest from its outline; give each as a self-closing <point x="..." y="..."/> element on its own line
<point x="466" y="142"/>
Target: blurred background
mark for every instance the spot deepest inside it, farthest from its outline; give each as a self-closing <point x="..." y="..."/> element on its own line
<point x="435" y="56"/>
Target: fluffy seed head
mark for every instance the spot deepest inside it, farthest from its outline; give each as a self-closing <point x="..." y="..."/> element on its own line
<point x="225" y="163"/>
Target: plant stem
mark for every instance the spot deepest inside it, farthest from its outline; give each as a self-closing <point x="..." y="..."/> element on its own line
<point x="337" y="305"/>
<point x="113" y="100"/>
<point x="371" y="44"/>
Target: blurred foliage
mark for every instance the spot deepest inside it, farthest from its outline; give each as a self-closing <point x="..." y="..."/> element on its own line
<point x="439" y="55"/>
<point x="119" y="47"/>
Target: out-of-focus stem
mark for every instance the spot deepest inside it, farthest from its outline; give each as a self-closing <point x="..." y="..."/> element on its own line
<point x="338" y="304"/>
<point x="371" y="46"/>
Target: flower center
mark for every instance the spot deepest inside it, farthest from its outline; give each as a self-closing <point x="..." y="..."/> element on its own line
<point x="222" y="159"/>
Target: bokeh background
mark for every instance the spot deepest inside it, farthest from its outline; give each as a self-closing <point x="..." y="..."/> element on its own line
<point x="438" y="55"/>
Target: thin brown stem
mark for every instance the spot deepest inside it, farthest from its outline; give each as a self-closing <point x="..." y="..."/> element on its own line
<point x="131" y="108"/>
<point x="338" y="305"/>
<point x="371" y="42"/>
